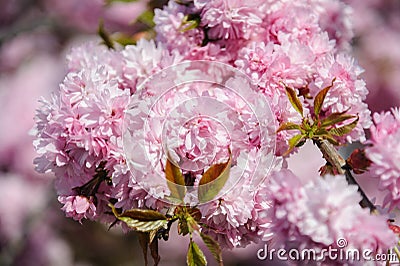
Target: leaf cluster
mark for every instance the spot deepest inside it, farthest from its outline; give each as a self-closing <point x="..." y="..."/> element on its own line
<point x="316" y="126"/>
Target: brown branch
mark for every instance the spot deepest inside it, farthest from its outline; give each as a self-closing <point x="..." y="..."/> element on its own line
<point x="332" y="156"/>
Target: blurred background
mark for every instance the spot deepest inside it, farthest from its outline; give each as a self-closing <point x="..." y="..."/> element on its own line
<point x="35" y="35"/>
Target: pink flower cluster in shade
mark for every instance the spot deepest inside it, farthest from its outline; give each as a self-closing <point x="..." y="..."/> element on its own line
<point x="383" y="150"/>
<point x="317" y="213"/>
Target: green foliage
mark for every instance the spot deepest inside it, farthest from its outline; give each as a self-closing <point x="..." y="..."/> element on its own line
<point x="294" y="100"/>
<point x="313" y="127"/>
<point x="288" y="126"/>
<point x="195" y="257"/>
<point x="147" y="18"/>
<point x="320" y="98"/>
<point x="141" y="220"/>
<point x="343" y="130"/>
<point x="213" y="246"/>
<point x="190" y="22"/>
<point x="188" y="224"/>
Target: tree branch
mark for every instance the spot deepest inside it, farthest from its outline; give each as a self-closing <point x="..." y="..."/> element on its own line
<point x="332" y="156"/>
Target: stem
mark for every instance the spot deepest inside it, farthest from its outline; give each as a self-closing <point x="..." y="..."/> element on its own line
<point x="332" y="156"/>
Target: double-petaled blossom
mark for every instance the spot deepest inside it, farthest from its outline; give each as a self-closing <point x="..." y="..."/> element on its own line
<point x="107" y="134"/>
<point x="320" y="214"/>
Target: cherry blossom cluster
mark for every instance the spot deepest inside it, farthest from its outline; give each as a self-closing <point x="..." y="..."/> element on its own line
<point x="312" y="215"/>
<point x="303" y="45"/>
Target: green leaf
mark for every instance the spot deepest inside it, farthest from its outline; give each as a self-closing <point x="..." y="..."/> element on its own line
<point x="213" y="246"/>
<point x="147" y="18"/>
<point x="294" y="100"/>
<point x="189" y="22"/>
<point x="141" y="220"/>
<point x="335" y="118"/>
<point x="288" y="126"/>
<point x="294" y="142"/>
<point x="213" y="180"/>
<point x="343" y="130"/>
<point x="105" y="36"/>
<point x="320" y="98"/>
<point x="195" y="256"/>
<point x="176" y="181"/>
<point x="123" y="39"/>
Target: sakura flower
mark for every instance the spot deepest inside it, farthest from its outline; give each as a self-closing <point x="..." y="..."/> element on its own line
<point x="336" y="18"/>
<point x="236" y="218"/>
<point x="78" y="134"/>
<point x="78" y="207"/>
<point x="384" y="154"/>
<point x="146" y="58"/>
<point x="303" y="20"/>
<point x="171" y="31"/>
<point x="348" y="92"/>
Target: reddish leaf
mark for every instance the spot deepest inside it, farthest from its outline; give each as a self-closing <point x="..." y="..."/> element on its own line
<point x="394" y="228"/>
<point x="343" y="130"/>
<point x="176" y="181"/>
<point x="336" y="118"/>
<point x="288" y="126"/>
<point x="328" y="169"/>
<point x="358" y="161"/>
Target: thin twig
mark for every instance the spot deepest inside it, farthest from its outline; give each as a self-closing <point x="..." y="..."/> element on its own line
<point x="332" y="156"/>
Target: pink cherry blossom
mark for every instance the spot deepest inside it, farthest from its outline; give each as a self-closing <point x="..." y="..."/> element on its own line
<point x="78" y="207"/>
<point x="318" y="213"/>
<point x="384" y="155"/>
<point x="231" y="19"/>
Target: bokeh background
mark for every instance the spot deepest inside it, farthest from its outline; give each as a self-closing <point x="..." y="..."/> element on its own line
<point x="35" y="35"/>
